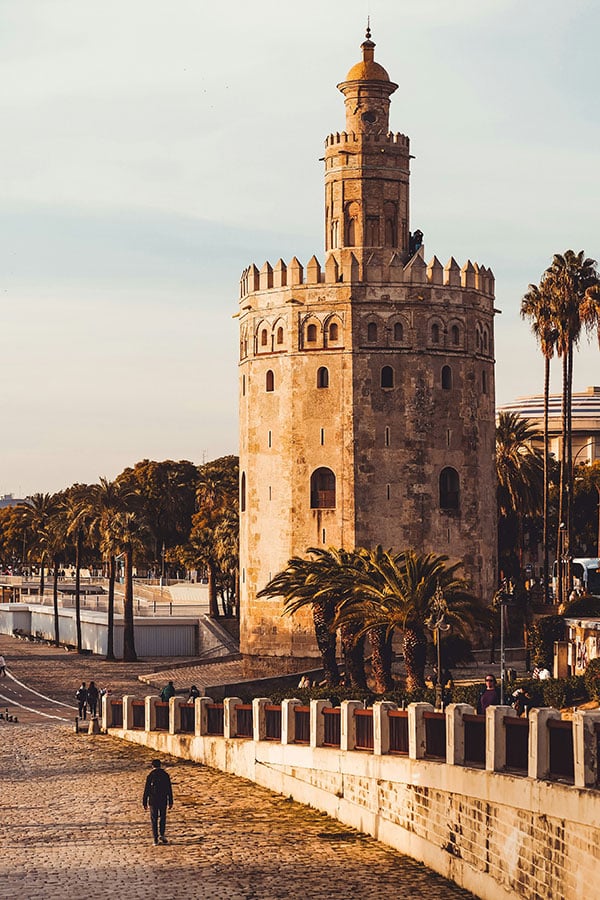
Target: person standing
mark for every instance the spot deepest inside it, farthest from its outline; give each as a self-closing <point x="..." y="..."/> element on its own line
<point x="81" y="695"/>
<point x="158" y="794"/>
<point x="167" y="692"/>
<point x="2" y="666"/>
<point x="92" y="698"/>
<point x="490" y="696"/>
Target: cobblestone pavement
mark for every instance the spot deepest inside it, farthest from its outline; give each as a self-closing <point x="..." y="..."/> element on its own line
<point x="72" y="824"/>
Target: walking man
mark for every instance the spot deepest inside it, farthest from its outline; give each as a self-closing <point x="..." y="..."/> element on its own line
<point x="81" y="695"/>
<point x="158" y="793"/>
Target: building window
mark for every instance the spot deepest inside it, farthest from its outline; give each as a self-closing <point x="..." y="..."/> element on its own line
<point x="398" y="332"/>
<point x="322" y="437"/>
<point x="372" y="331"/>
<point x="435" y="333"/>
<point x="323" y="536"/>
<point x="270" y="381"/>
<point x="243" y="492"/>
<point x="270" y="495"/>
<point x="372" y="231"/>
<point x="322" y="377"/>
<point x="387" y="491"/>
<point x="449" y="489"/>
<point x="280" y="335"/>
<point x="333" y="331"/>
<point x="270" y="439"/>
<point x="387" y="377"/>
<point x="264" y="337"/>
<point x="391" y="230"/>
<point x="387" y="436"/>
<point x="446" y="378"/>
<point x="322" y="489"/>
<point x="455" y="335"/>
<point x="484" y="387"/>
<point x="243" y="385"/>
<point x="311" y="334"/>
<point x="485" y="340"/>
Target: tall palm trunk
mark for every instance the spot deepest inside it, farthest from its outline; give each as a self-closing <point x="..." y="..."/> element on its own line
<point x="110" y="625"/>
<point x="213" y="604"/>
<point x="326" y="640"/>
<point x="353" y="649"/>
<point x="414" y="645"/>
<point x="78" y="590"/>
<point x="129" y="654"/>
<point x="569" y="473"/>
<point x="55" y="601"/>
<point x="381" y="658"/>
<point x="546" y="542"/>
<point x="560" y="549"/>
<point x="42" y="585"/>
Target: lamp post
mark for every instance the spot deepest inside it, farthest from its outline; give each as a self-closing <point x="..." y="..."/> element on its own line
<point x="436" y="623"/>
<point x="162" y="569"/>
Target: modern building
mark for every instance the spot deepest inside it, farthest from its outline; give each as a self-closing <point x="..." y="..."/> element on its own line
<point x="366" y="385"/>
<point x="585" y="410"/>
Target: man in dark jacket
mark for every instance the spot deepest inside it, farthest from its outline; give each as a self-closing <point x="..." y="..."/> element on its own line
<point x="158" y="793"/>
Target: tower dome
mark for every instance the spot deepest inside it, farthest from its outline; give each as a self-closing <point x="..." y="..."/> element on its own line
<point x="367" y="90"/>
<point x="367" y="69"/>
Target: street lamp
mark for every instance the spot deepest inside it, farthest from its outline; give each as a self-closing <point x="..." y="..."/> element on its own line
<point x="436" y="623"/>
<point x="502" y="600"/>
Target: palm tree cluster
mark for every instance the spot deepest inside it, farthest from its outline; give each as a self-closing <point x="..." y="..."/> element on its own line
<point x="372" y="592"/>
<point x="566" y="301"/>
<point x="156" y="515"/>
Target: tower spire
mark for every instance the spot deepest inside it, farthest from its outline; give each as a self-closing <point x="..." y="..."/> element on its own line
<point x="368" y="31"/>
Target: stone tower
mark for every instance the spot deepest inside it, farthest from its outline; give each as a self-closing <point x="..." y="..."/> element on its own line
<point x="366" y="386"/>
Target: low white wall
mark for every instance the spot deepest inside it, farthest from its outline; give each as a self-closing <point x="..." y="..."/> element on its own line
<point x="498" y="835"/>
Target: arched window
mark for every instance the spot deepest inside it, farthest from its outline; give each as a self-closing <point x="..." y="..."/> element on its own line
<point x="280" y="335"/>
<point x="372" y="231"/>
<point x="449" y="489"/>
<point x="333" y="331"/>
<point x="322" y="377"/>
<point x="352" y="213"/>
<point x="322" y="489"/>
<point x="398" y="332"/>
<point x="243" y="492"/>
<point x="391" y="228"/>
<point x="387" y="377"/>
<point x="485" y="340"/>
<point x="484" y="387"/>
<point x="435" y="333"/>
<point x="446" y="378"/>
<point x="455" y="335"/>
<point x="311" y="334"/>
<point x="264" y="337"/>
<point x="372" y="331"/>
<point x="270" y="381"/>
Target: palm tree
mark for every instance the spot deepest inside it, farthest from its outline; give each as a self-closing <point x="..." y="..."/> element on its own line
<point x="37" y="514"/>
<point x="536" y="305"/>
<point x="217" y="497"/>
<point x="76" y="508"/>
<point x="130" y="532"/>
<point x="519" y="470"/>
<point x="570" y="277"/>
<point x="397" y="591"/>
<point x="105" y="501"/>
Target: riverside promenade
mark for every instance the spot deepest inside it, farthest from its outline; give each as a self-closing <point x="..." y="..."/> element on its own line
<point x="72" y="824"/>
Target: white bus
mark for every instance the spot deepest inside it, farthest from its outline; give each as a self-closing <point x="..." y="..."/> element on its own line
<point x="586" y="575"/>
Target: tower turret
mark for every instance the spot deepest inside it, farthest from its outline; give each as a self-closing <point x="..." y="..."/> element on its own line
<point x="367" y="168"/>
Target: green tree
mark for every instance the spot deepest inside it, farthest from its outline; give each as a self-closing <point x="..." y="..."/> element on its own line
<point x="130" y="534"/>
<point x="537" y="307"/>
<point x="37" y="513"/>
<point x="107" y="499"/>
<point x="76" y="510"/>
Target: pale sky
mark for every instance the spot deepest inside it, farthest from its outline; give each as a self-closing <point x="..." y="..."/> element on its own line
<point x="151" y="149"/>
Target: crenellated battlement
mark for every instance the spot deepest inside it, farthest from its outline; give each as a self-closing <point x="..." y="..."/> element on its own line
<point x="343" y="137"/>
<point x="344" y="267"/>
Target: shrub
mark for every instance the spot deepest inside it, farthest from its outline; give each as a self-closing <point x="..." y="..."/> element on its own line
<point x="583" y="606"/>
<point x="592" y="679"/>
<point x="467" y="693"/>
<point x="543" y="633"/>
<point x="561" y="692"/>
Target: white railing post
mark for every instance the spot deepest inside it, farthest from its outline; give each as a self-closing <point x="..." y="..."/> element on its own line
<point x="495" y="737"/>
<point x="201" y="720"/>
<point x="288" y="720"/>
<point x="151" y="712"/>
<point x="174" y="715"/>
<point x="317" y="722"/>
<point x="585" y="747"/>
<point x="417" y="739"/>
<point x="259" y="718"/>
<point x="128" y="712"/>
<point x="348" y="723"/>
<point x="107" y="717"/>
<point x="455" y="732"/>
<point x="230" y="716"/>
<point x="381" y="726"/>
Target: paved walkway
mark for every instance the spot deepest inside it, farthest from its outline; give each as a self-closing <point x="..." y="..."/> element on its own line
<point x="72" y="824"/>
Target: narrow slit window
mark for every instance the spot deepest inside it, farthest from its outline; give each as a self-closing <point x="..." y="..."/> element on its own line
<point x="387" y="377"/>
<point x="270" y="381"/>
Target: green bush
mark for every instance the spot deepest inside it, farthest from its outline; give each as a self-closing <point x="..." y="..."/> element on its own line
<point x="592" y="679"/>
<point x="583" y="606"/>
<point x="561" y="692"/>
<point x="542" y="634"/>
<point x="467" y="693"/>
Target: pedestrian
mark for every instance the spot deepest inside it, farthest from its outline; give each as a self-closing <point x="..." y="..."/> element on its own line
<point x="2" y="666"/>
<point x="92" y="698"/>
<point x="81" y="695"/>
<point x="158" y="793"/>
<point x="490" y="696"/>
<point x="193" y="693"/>
<point x="167" y="692"/>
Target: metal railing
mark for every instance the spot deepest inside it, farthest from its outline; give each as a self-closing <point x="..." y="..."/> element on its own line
<point x="562" y="764"/>
<point x="302" y="724"/>
<point x="516" y="736"/>
<point x="215" y="718"/>
<point x="273" y="723"/>
<point x="244" y="720"/>
<point x="162" y="716"/>
<point x="364" y="729"/>
<point x="332" y="729"/>
<point x="138" y="712"/>
<point x="435" y="735"/>
<point x="398" y="720"/>
<point x="187" y="713"/>
<point x="116" y="713"/>
<point x="474" y="740"/>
